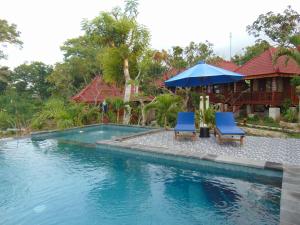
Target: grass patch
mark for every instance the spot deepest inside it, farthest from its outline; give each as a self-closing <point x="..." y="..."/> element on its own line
<point x="262" y="121"/>
<point x="294" y="135"/>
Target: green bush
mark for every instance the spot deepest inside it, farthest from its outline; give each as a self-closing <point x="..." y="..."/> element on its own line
<point x="253" y="119"/>
<point x="268" y="121"/>
<point x="290" y="116"/>
<point x="6" y="120"/>
<point x="56" y="113"/>
<point x="286" y="105"/>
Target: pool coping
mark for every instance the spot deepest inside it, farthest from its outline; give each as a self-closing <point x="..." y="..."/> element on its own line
<point x="35" y="133"/>
<point x="290" y="190"/>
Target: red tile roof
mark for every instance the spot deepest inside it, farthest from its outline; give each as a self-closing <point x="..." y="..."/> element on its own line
<point x="227" y="65"/>
<point x="97" y="91"/>
<point x="167" y="75"/>
<point x="263" y="65"/>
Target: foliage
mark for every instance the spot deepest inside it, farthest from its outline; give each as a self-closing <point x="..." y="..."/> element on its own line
<point x="188" y="56"/>
<point x="286" y="105"/>
<point x="8" y="34"/>
<point x="209" y="115"/>
<point x="198" y="52"/>
<point x="268" y="121"/>
<point x="250" y="52"/>
<point x="32" y="78"/>
<point x="117" y="104"/>
<point x="6" y="120"/>
<point x="291" y="53"/>
<point x="166" y="107"/>
<point x="56" y="113"/>
<point x="290" y="116"/>
<point x="195" y="96"/>
<point x="123" y="39"/>
<point x="112" y="116"/>
<point x="82" y="63"/>
<point x="152" y="66"/>
<point x="295" y="81"/>
<point x="278" y="27"/>
<point x="20" y="107"/>
<point x="263" y="121"/>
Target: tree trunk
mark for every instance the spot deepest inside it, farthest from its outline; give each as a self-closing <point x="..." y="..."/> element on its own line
<point x="127" y="91"/>
<point x="143" y="113"/>
<point x="165" y="123"/>
<point x="118" y="115"/>
<point x="186" y="99"/>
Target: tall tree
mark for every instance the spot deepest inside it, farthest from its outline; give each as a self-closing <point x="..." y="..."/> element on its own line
<point x="292" y="53"/>
<point x="81" y="64"/>
<point x="8" y="35"/>
<point x="277" y="27"/>
<point x="124" y="42"/>
<point x="196" y="52"/>
<point x="32" y="78"/>
<point x="176" y="58"/>
<point x="250" y="52"/>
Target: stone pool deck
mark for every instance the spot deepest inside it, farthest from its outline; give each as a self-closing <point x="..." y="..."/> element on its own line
<point x="261" y="152"/>
<point x="276" y="150"/>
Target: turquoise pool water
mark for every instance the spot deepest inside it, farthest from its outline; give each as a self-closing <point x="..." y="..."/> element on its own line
<point x="48" y="182"/>
<point x="93" y="134"/>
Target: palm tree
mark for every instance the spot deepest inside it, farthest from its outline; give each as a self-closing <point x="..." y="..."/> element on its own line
<point x="292" y="53"/>
<point x="118" y="104"/>
<point x="166" y="107"/>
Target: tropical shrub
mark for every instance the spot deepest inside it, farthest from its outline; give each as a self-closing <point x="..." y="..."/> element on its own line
<point x="6" y="120"/>
<point x="117" y="104"/>
<point x="56" y="113"/>
<point x="166" y="107"/>
<point x="290" y="116"/>
<point x="286" y="105"/>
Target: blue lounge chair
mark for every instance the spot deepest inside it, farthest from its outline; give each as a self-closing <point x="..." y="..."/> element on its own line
<point x="226" y="128"/>
<point x="185" y="123"/>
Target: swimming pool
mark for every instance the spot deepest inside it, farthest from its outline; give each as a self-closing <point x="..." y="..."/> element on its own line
<point x="92" y="134"/>
<point x="48" y="182"/>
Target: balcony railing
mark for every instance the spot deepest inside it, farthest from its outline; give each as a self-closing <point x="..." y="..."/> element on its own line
<point x="256" y="98"/>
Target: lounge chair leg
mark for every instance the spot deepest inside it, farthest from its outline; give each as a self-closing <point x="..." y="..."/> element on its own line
<point x="242" y="140"/>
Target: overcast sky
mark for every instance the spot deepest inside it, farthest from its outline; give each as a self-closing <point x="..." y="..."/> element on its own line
<point x="46" y="24"/>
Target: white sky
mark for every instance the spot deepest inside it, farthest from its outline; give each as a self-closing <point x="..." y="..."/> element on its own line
<point x="46" y="24"/>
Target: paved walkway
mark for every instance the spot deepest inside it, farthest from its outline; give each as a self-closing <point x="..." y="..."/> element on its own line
<point x="277" y="150"/>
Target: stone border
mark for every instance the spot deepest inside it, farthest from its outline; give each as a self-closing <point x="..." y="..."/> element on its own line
<point x="36" y="134"/>
<point x="15" y="138"/>
<point x="190" y="155"/>
<point x="290" y="196"/>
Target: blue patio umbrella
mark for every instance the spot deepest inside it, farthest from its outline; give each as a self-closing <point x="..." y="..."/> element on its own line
<point x="203" y="74"/>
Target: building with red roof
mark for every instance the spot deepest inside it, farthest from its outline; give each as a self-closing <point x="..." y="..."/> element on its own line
<point x="227" y="65"/>
<point x="266" y="85"/>
<point x="98" y="90"/>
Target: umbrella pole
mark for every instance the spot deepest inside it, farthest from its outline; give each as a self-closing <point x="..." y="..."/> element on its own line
<point x="203" y="107"/>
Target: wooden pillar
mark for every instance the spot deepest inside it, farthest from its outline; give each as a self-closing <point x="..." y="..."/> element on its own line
<point x="274" y="89"/>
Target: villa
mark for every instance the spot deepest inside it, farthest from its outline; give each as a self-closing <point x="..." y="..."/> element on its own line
<point x="265" y="88"/>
